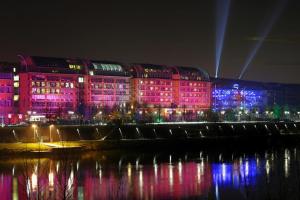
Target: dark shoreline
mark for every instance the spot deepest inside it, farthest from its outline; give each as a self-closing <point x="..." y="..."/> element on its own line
<point x="152" y="137"/>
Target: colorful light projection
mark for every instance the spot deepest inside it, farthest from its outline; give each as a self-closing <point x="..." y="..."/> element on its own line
<point x="235" y="98"/>
<point x="222" y="13"/>
<point x="240" y="172"/>
<point x="263" y="33"/>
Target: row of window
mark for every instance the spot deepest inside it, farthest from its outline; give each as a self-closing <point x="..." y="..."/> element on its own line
<point x="156" y="82"/>
<point x="104" y="80"/>
<point x="153" y="100"/>
<point x="156" y="75"/>
<point x="194" y="100"/>
<point x="6" y="89"/>
<point x="52" y="84"/>
<point x="110" y="92"/>
<point x="7" y="102"/>
<point x="109" y="86"/>
<point x="54" y="98"/>
<point x="52" y="78"/>
<point x="155" y="94"/>
<point x="52" y="104"/>
<point x="193" y="90"/>
<point x="110" y="99"/>
<point x="154" y="88"/>
<point x="5" y="76"/>
<point x="192" y="84"/>
<point x="51" y="91"/>
<point x="194" y="95"/>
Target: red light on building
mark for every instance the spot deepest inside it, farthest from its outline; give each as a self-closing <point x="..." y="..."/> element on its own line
<point x="184" y="89"/>
<point x="107" y="85"/>
<point x="152" y="85"/>
<point x="49" y="87"/>
<point x="6" y="97"/>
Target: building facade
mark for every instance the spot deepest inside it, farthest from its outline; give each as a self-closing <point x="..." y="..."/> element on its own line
<point x="47" y="89"/>
<point x="9" y="94"/>
<point x="107" y="84"/>
<point x="176" y="93"/>
<point x="230" y="94"/>
<point x="50" y="88"/>
<point x="151" y="85"/>
<point x="191" y="89"/>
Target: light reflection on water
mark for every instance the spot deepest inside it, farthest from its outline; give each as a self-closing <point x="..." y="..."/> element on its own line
<point x="264" y="175"/>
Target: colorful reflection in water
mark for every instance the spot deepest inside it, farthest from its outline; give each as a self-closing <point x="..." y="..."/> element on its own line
<point x="236" y="174"/>
<point x="149" y="177"/>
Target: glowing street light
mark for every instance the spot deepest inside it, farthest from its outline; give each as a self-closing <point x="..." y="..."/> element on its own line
<point x="34" y="126"/>
<point x="50" y="135"/>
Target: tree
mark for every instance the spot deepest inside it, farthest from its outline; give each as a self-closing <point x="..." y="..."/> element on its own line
<point x="277" y="111"/>
<point x="211" y="116"/>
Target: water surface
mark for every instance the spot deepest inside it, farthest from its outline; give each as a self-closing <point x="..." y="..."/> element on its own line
<point x="268" y="174"/>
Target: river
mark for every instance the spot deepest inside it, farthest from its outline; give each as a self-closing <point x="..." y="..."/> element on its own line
<point x="264" y="174"/>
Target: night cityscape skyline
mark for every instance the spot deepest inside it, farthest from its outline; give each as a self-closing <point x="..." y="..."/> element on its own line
<point x="173" y="34"/>
<point x="145" y="100"/>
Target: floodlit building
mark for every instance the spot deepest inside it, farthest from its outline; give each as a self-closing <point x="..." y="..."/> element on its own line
<point x="107" y="84"/>
<point x="151" y="85"/>
<point x="177" y="91"/>
<point x="230" y="94"/>
<point x="50" y="88"/>
<point x="9" y="83"/>
<point x="191" y="89"/>
<point x="45" y="89"/>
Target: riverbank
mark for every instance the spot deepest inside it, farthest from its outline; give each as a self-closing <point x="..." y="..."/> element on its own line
<point x="209" y="143"/>
<point x="24" y="140"/>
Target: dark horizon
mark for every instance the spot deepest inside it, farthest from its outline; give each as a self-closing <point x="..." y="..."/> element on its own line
<point x="172" y="34"/>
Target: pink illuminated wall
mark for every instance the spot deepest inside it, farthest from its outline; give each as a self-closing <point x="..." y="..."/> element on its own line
<point x="51" y="95"/>
<point x="6" y="97"/>
<point x="194" y="94"/>
<point x="106" y="90"/>
<point x="153" y="91"/>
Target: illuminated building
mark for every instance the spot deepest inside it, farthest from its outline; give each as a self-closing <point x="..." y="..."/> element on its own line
<point x="50" y="88"/>
<point x="238" y="95"/>
<point x="70" y="88"/>
<point x="192" y="89"/>
<point x="173" y="89"/>
<point x="106" y="84"/>
<point x="152" y="85"/>
<point x="43" y="89"/>
<point x="9" y="83"/>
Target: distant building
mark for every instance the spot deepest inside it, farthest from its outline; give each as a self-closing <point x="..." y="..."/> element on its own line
<point x="238" y="95"/>
<point x="177" y="91"/>
<point x="47" y="89"/>
<point x="262" y="97"/>
<point x="152" y="85"/>
<point x="107" y="84"/>
<point x="50" y="87"/>
<point x="9" y="93"/>
<point x="191" y="89"/>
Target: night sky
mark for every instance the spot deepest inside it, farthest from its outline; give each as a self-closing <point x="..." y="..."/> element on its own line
<point x="161" y="33"/>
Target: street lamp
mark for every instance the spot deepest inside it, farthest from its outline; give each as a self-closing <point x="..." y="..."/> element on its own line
<point x="34" y="126"/>
<point x="50" y="135"/>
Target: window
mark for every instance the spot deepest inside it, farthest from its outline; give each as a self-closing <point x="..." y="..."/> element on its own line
<point x="16" y="97"/>
<point x="80" y="79"/>
<point x="16" y="78"/>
